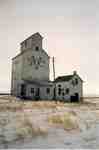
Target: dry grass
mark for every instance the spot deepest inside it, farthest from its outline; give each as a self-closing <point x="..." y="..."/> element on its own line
<point x="10" y="107"/>
<point x="13" y="104"/>
<point x="10" y="103"/>
<point x="42" y="104"/>
<point x="27" y="129"/>
<point x="67" y="120"/>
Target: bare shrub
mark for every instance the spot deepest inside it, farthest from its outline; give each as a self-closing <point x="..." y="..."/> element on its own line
<point x="70" y="121"/>
<point x="56" y="119"/>
<point x="67" y="120"/>
<point x="27" y="129"/>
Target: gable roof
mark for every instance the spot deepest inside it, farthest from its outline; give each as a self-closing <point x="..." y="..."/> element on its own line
<point x="63" y="78"/>
<point x="37" y="82"/>
<point x="37" y="34"/>
<point x="66" y="78"/>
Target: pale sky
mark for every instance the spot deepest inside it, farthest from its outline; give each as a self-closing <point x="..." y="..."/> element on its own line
<point x="70" y="29"/>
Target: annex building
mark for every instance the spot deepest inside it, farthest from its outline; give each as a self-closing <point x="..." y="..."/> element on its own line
<point x="30" y="75"/>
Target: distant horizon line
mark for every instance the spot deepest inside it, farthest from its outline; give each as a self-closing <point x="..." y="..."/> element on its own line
<point x="85" y="95"/>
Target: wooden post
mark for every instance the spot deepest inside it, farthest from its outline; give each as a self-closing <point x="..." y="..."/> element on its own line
<point x="53" y="68"/>
<point x="53" y="59"/>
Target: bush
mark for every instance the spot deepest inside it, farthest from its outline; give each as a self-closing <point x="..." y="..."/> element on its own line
<point x="67" y="120"/>
<point x="27" y="129"/>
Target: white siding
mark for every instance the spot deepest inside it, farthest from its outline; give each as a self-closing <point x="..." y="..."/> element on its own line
<point x="29" y="68"/>
<point x="72" y="89"/>
<point x="25" y="67"/>
<point x="42" y="89"/>
<point x="16" y="74"/>
<point x="33" y="64"/>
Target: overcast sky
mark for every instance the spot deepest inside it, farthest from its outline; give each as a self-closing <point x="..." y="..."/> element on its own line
<point x="70" y="29"/>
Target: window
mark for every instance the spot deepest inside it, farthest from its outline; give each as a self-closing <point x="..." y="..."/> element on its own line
<point x="48" y="90"/>
<point x="67" y="91"/>
<point x="76" y="81"/>
<point x="36" y="48"/>
<point x="59" y="85"/>
<point x="59" y="91"/>
<point x="32" y="90"/>
<point x="73" y="83"/>
<point x="63" y="93"/>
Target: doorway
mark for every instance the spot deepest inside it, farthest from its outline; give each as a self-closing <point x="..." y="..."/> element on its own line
<point x="23" y="90"/>
<point x="37" y="95"/>
<point x="75" y="98"/>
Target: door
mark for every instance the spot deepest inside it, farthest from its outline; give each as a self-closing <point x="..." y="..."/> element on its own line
<point x="37" y="95"/>
<point x="23" y="90"/>
<point x="54" y="97"/>
<point x="75" y="98"/>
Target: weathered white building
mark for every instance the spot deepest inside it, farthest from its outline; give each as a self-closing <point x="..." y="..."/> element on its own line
<point x="30" y="70"/>
<point x="30" y="74"/>
<point x="69" y="88"/>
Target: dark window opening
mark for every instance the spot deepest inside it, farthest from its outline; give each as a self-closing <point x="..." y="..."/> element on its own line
<point x="37" y="94"/>
<point x="32" y="90"/>
<point x="63" y="94"/>
<point x="48" y="90"/>
<point x="54" y="93"/>
<point x="76" y="81"/>
<point x="73" y="83"/>
<point x="75" y="98"/>
<point x="67" y="91"/>
<point x="59" y="85"/>
<point x="23" y="90"/>
<point x="59" y="91"/>
<point x="36" y="48"/>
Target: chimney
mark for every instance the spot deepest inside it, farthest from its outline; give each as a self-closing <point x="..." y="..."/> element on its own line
<point x="74" y="72"/>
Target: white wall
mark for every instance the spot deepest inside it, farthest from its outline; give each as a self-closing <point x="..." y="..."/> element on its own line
<point x="72" y="89"/>
<point x="29" y="70"/>
<point x="24" y="66"/>
<point x="32" y="42"/>
<point x="43" y="93"/>
<point x="16" y="74"/>
<point x="28" y="90"/>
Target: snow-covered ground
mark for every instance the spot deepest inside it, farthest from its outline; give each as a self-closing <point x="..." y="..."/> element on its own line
<point x="27" y="125"/>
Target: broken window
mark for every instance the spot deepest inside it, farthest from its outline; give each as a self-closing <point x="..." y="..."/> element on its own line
<point x="36" y="48"/>
<point x="67" y="91"/>
<point x="73" y="83"/>
<point x="59" y="85"/>
<point x="32" y="90"/>
<point x="63" y="93"/>
<point x="48" y="90"/>
<point x="59" y="91"/>
<point x="76" y="81"/>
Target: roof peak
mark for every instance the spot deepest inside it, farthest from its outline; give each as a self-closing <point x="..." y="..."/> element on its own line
<point x="33" y="36"/>
<point x="37" y="33"/>
<point x="64" y="78"/>
<point x="67" y="77"/>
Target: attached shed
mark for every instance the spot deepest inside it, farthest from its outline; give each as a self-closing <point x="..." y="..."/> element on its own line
<point x="37" y="90"/>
